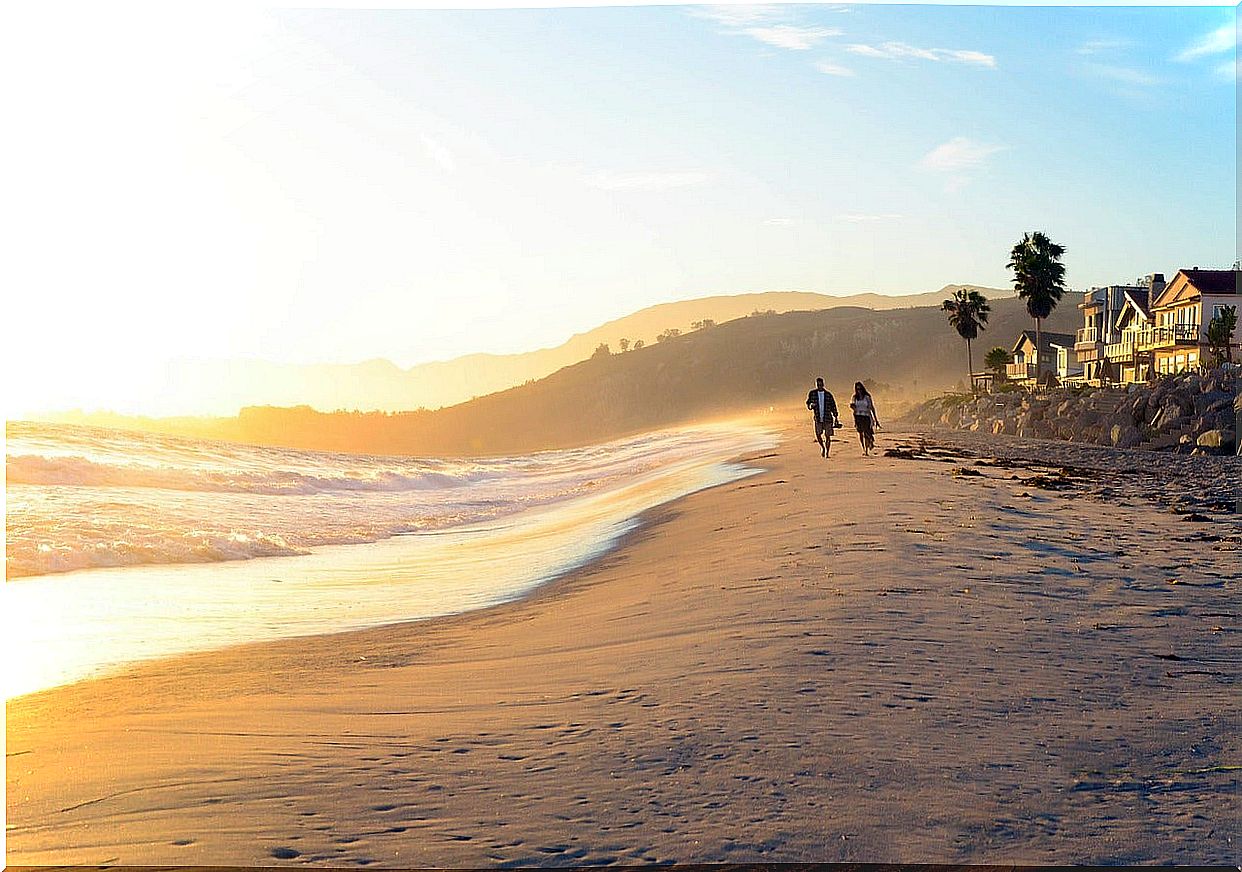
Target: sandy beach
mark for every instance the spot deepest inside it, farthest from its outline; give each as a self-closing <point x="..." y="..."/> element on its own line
<point x="988" y="651"/>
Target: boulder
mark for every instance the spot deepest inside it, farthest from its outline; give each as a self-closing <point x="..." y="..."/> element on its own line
<point x="1225" y="405"/>
<point x="1211" y="399"/>
<point x="1125" y="436"/>
<point x="1170" y="414"/>
<point x="1215" y="439"/>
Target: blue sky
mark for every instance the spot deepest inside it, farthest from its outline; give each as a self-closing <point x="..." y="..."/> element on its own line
<point x="322" y="185"/>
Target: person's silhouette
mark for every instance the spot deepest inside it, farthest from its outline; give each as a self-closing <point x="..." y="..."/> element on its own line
<point x="824" y="408"/>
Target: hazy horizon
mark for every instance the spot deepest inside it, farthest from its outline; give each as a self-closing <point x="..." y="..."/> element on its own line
<point x="331" y="186"/>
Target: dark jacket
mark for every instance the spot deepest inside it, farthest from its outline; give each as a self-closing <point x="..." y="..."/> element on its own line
<point x="830" y="405"/>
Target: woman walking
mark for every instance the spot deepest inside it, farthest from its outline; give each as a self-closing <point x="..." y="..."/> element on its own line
<point x="865" y="418"/>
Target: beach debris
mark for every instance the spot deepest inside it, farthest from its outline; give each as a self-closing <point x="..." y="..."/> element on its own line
<point x="903" y="452"/>
<point x="997" y="462"/>
<point x="967" y="472"/>
<point x="1197" y="518"/>
<point x="1049" y="482"/>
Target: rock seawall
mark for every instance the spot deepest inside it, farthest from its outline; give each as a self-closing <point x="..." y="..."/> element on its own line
<point x="1190" y="413"/>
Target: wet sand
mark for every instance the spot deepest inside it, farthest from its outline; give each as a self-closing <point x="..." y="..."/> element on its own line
<point x="985" y="652"/>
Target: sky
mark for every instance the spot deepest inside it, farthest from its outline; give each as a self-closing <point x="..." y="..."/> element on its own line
<point x="340" y="185"/>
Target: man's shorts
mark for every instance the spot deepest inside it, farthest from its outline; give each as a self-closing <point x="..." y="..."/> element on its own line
<point x="823" y="428"/>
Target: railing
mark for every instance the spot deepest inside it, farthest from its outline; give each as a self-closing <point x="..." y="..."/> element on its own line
<point x="1170" y="334"/>
<point x="1087" y="335"/>
<point x="1019" y="371"/>
<point x="1123" y="350"/>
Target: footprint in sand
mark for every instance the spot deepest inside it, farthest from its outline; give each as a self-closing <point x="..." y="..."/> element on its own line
<point x="284" y="853"/>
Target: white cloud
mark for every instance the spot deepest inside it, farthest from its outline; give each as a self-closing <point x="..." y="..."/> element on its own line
<point x="791" y="37"/>
<point x="958" y="154"/>
<point x="440" y="153"/>
<point x="767" y="24"/>
<point x="900" y="51"/>
<point x="830" y="69"/>
<point x="969" y="57"/>
<point x="1223" y="39"/>
<point x="737" y="16"/>
<point x="609" y="180"/>
<point x="1124" y="75"/>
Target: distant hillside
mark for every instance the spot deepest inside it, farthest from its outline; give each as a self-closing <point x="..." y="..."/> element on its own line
<point x="755" y="361"/>
<point x="381" y="384"/>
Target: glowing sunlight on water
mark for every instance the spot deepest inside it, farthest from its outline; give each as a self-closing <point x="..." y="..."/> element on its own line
<point x="65" y="627"/>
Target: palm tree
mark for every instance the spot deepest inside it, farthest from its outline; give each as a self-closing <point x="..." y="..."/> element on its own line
<point x="996" y="360"/>
<point x="1220" y="333"/>
<point x="968" y="313"/>
<point x="1039" y="278"/>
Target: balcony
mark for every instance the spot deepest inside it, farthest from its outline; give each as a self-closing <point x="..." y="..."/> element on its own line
<point x="1167" y="336"/>
<point x="1120" y="351"/>
<point x="1087" y="336"/>
<point x="1020" y="371"/>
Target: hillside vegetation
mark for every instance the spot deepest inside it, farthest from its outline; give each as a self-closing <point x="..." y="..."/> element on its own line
<point x="758" y="361"/>
<point x="382" y="385"/>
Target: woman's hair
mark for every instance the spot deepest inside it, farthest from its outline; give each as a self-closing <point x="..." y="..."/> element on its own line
<point x="860" y="390"/>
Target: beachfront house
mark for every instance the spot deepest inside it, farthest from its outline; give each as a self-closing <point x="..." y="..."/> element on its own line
<point x="1056" y="358"/>
<point x="1180" y="314"/>
<point x="1126" y="364"/>
<point x="1101" y="311"/>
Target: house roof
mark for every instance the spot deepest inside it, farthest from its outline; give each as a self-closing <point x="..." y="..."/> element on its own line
<point x="1213" y="281"/>
<point x="1062" y="340"/>
<point x="1138" y="297"/>
<point x="1108" y="295"/>
<point x="1190" y="282"/>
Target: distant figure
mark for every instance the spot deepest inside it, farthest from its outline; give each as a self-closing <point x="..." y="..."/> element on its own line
<point x="821" y="403"/>
<point x="864" y="417"/>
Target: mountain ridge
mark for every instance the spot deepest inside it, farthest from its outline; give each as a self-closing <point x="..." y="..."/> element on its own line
<point x="754" y="362"/>
<point x="379" y="384"/>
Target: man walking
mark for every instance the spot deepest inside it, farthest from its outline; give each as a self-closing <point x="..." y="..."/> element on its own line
<point x="824" y="407"/>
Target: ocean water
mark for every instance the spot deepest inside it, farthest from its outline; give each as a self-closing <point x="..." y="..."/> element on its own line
<point x="123" y="546"/>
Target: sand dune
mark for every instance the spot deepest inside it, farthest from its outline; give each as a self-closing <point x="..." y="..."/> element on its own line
<point x="964" y="655"/>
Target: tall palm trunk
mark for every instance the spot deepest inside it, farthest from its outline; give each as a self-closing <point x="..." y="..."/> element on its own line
<point x="1039" y="350"/>
<point x="970" y="368"/>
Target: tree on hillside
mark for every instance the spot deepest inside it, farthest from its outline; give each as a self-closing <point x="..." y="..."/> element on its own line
<point x="1039" y="279"/>
<point x="968" y="314"/>
<point x="996" y="360"/>
<point x="638" y="343"/>
<point x="602" y="350"/>
<point x="1220" y="332"/>
<point x="670" y="333"/>
<point x="705" y="323"/>
<point x="625" y="345"/>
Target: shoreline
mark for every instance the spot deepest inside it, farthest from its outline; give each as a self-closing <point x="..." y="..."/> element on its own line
<point x="119" y="616"/>
<point x="679" y="673"/>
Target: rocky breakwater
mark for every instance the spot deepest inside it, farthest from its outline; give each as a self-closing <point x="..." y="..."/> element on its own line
<point x="1190" y="413"/>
